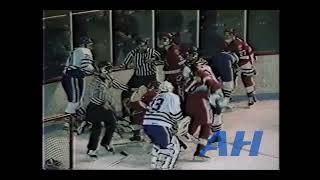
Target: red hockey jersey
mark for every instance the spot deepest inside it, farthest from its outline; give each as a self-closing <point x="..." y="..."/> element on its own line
<point x="139" y="107"/>
<point x="242" y="49"/>
<point x="175" y="61"/>
<point x="208" y="83"/>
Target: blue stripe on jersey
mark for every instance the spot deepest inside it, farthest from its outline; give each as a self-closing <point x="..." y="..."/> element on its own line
<point x="158" y="116"/>
<point x="179" y="113"/>
<point x="158" y="119"/>
<point x="178" y="117"/>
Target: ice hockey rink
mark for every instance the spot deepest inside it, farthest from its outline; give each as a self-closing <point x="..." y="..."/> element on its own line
<point x="114" y="34"/>
<point x="263" y="116"/>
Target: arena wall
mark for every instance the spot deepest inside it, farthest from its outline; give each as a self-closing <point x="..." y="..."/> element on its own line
<point x="267" y="81"/>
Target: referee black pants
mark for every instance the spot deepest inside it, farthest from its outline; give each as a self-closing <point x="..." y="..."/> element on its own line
<point x="96" y="115"/>
<point x="137" y="81"/>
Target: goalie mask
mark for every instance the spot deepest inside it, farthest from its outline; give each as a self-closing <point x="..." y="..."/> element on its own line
<point x="86" y="42"/>
<point x="166" y="86"/>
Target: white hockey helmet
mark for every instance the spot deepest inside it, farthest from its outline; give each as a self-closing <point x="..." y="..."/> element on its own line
<point x="166" y="86"/>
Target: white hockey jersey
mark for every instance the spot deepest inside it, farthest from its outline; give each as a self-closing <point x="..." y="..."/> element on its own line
<point x="80" y="59"/>
<point x="164" y="110"/>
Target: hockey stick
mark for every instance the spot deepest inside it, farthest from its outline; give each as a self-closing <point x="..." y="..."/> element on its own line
<point x="182" y="144"/>
<point x="125" y="156"/>
<point x="126" y="143"/>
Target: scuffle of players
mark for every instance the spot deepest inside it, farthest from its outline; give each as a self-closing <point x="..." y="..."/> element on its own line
<point x="186" y="108"/>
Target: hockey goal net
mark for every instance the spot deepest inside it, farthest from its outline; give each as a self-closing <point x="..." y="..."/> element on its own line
<point x="57" y="140"/>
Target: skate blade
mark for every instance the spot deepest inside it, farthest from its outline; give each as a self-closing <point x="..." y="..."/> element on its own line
<point x="200" y="159"/>
<point x="225" y="110"/>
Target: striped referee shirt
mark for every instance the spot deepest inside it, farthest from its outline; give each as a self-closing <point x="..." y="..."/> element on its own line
<point x="101" y="94"/>
<point x="144" y="64"/>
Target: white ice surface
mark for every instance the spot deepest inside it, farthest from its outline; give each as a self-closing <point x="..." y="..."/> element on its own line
<point x="264" y="116"/>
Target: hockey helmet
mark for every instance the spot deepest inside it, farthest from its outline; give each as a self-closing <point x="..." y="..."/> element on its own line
<point x="154" y="85"/>
<point x="166" y="86"/>
<point x="167" y="35"/>
<point x="142" y="41"/>
<point x="229" y="35"/>
<point x="104" y="67"/>
<point x="230" y="31"/>
<point x="85" y="41"/>
<point x="166" y="39"/>
<point x="193" y="53"/>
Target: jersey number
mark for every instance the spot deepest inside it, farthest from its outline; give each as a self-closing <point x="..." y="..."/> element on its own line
<point x="156" y="104"/>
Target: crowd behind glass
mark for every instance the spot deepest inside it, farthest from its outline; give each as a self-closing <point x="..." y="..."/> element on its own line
<point x="114" y="31"/>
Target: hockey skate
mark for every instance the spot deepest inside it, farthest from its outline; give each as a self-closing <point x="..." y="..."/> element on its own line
<point x="227" y="108"/>
<point x="66" y="125"/>
<point x="201" y="158"/>
<point x="252" y="100"/>
<point x="83" y="126"/>
<point x="109" y="148"/>
<point x="53" y="164"/>
<point x="136" y="136"/>
<point x="92" y="154"/>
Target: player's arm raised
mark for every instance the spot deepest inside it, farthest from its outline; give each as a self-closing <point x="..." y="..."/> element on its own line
<point x="127" y="60"/>
<point x="209" y="80"/>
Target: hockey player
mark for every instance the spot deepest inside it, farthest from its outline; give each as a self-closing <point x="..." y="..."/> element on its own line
<point x="174" y="63"/>
<point x="101" y="109"/>
<point x="113" y="82"/>
<point x="160" y="123"/>
<point x="138" y="105"/>
<point x="224" y="65"/>
<point x="144" y="60"/>
<point x="246" y="59"/>
<point x="79" y="65"/>
<point x="199" y="91"/>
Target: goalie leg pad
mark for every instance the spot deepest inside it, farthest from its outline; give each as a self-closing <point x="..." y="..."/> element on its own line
<point x="163" y="159"/>
<point x="154" y="156"/>
<point x="176" y="151"/>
